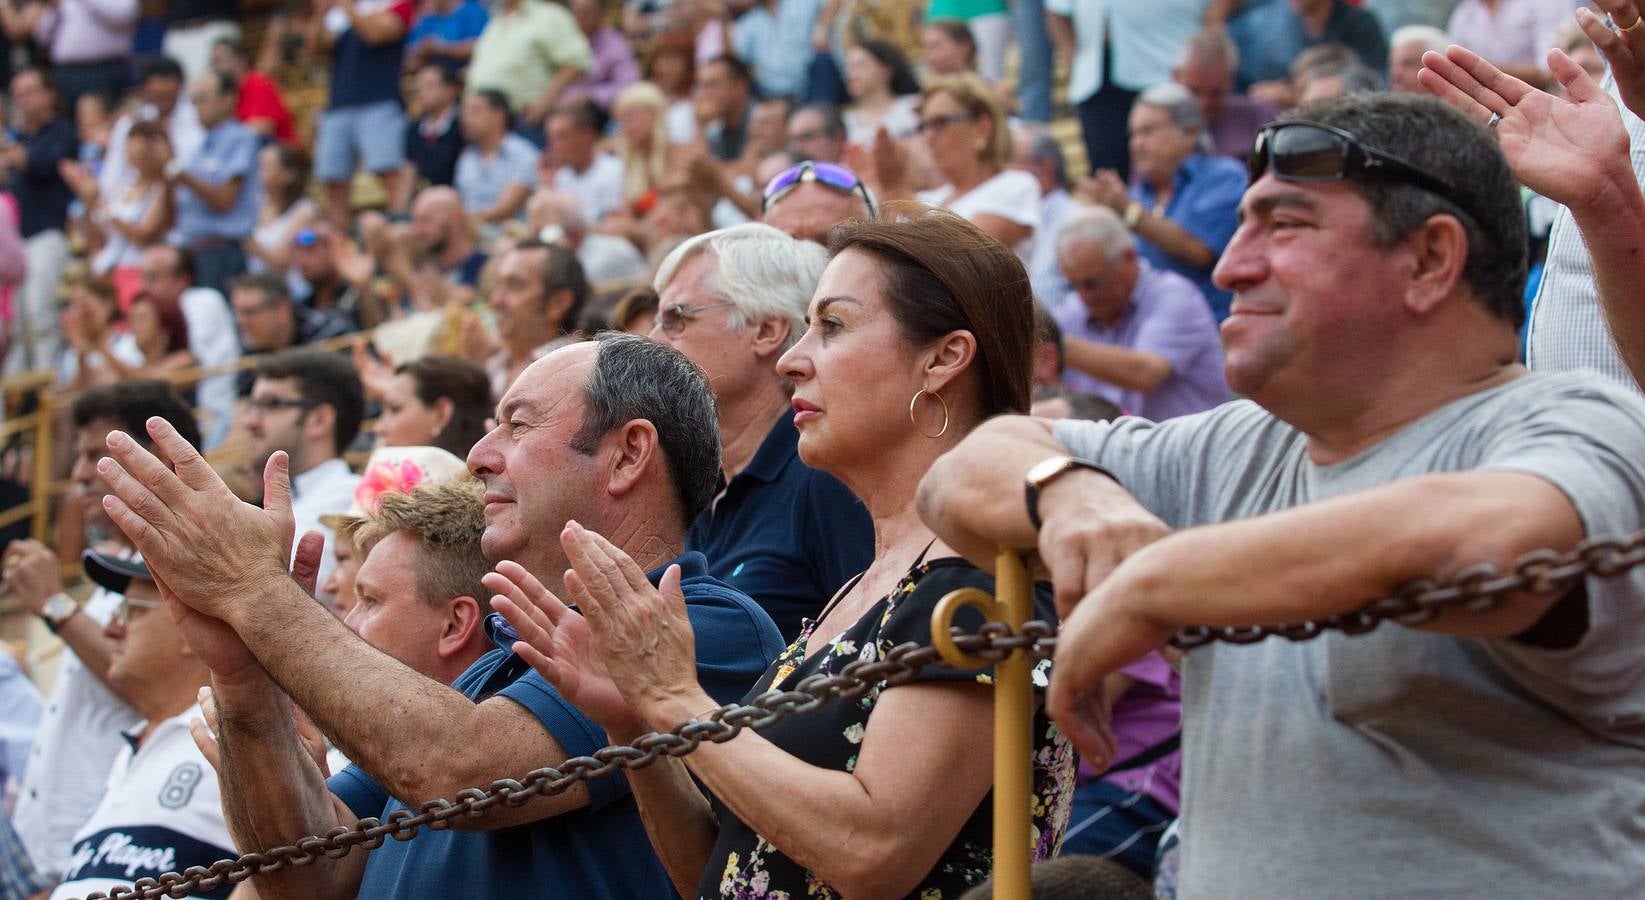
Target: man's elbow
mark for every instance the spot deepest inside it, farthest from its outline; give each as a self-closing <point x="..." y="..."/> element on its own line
<point x="1152" y="373"/>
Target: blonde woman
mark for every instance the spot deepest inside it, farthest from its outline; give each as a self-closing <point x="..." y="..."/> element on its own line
<point x="642" y="143"/>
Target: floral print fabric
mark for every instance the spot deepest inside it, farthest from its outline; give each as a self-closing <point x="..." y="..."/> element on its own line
<point x="747" y="867"/>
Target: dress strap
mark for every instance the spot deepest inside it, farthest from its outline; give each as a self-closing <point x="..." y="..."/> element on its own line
<point x="839" y="594"/>
<point x="920" y="560"/>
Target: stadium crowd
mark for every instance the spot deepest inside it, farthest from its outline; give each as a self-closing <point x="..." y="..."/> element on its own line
<point x="449" y="389"/>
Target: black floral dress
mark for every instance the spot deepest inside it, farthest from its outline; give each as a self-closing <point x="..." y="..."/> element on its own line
<point x="745" y="865"/>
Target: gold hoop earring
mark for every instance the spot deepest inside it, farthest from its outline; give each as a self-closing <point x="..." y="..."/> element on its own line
<point x="912" y="403"/>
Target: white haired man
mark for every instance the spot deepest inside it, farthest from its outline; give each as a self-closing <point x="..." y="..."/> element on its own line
<point x="787" y="535"/>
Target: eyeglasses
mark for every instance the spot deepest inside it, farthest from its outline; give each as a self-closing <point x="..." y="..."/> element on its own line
<point x="1309" y="151"/>
<point x="122" y="613"/>
<point x="938" y="123"/>
<point x="832" y="175"/>
<point x="673" y="318"/>
<point x="275" y="404"/>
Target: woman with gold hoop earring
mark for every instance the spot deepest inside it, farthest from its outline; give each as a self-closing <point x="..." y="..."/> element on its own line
<point x="819" y="805"/>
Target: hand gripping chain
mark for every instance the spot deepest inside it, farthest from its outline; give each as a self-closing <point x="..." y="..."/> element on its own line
<point x="1476" y="589"/>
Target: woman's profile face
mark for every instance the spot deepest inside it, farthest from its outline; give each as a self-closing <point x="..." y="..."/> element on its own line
<point x="864" y="74"/>
<point x="853" y="372"/>
<point x="268" y="168"/>
<point x="144" y="323"/>
<point x="405" y="421"/>
<point x="636" y="122"/>
<point x="943" y="55"/>
<point x="953" y="134"/>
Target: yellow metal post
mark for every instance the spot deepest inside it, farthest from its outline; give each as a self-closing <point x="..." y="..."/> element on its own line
<point x="1013" y="716"/>
<point x="40" y="483"/>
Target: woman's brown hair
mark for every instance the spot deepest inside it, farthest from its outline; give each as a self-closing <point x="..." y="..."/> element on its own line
<point x="940" y="274"/>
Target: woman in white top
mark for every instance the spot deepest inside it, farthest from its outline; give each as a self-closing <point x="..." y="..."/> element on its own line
<point x="884" y="92"/>
<point x="285" y="210"/>
<point x="91" y="329"/>
<point x="966" y="134"/>
<point x="137" y="217"/>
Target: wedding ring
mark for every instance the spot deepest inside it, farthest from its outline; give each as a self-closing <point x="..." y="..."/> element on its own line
<point x="1495" y="118"/>
<point x="1627" y="28"/>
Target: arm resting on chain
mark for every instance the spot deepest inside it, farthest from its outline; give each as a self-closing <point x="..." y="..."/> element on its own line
<point x="273" y="795"/>
<point x="1325" y="558"/>
<point x="413" y="735"/>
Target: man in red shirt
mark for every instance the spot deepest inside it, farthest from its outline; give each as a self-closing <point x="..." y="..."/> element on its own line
<point x="261" y="105"/>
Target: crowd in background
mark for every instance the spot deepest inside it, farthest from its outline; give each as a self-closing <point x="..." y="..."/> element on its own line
<point x="355" y="232"/>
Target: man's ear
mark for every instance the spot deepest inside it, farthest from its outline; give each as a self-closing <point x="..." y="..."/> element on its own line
<point x="464" y="619"/>
<point x="559" y="303"/>
<point x="627" y="454"/>
<point x="770" y="334"/>
<point x="444" y="409"/>
<point x="322" y="420"/>
<point x="1439" y="253"/>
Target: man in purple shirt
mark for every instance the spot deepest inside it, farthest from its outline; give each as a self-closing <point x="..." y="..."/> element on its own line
<point x="1206" y="69"/>
<point x="614" y="66"/>
<point x="1142" y="337"/>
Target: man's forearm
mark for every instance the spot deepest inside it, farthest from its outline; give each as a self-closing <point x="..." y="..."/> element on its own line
<point x="273" y="795"/>
<point x="972" y="496"/>
<point x="1336" y="555"/>
<point x="413" y="735"/>
<point x="1175" y="240"/>
<point x="1614" y="229"/>
<point x="1133" y="370"/>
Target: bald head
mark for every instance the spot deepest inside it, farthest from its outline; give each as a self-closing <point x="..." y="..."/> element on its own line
<point x="549" y="207"/>
<point x="437" y="218"/>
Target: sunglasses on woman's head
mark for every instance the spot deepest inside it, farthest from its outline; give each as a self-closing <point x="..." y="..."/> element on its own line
<point x="1309" y="151"/>
<point x="831" y="174"/>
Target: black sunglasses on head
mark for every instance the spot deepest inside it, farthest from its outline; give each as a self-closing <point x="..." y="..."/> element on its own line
<point x="1310" y="151"/>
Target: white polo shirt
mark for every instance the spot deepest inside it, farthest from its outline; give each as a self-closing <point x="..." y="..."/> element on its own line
<point x="161" y="813"/>
<point x="68" y="766"/>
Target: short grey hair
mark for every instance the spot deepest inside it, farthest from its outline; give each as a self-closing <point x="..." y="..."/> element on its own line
<point x="1428" y="36"/>
<point x="1043" y="147"/>
<point x="1176" y="100"/>
<point x="1095" y="225"/>
<point x="1213" y="45"/>
<point x="638" y="378"/>
<point x="761" y="271"/>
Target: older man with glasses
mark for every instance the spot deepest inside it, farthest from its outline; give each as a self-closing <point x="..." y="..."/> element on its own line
<point x="1389" y="436"/>
<point x="787" y="535"/>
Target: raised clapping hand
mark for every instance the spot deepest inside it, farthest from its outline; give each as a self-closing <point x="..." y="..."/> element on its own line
<point x="557" y="642"/>
<point x="1573" y="151"/>
<point x="1623" y="48"/>
<point x="642" y="633"/>
<point x="208" y="550"/>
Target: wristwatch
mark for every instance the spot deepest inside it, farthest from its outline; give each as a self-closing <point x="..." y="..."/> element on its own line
<point x="1047" y="471"/>
<point x="1132" y="215"/>
<point x="59" y="608"/>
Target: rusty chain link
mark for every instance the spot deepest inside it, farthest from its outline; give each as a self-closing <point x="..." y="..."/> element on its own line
<point x="1477" y="589"/>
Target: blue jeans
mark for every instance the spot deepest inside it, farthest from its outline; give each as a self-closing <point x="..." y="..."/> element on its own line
<point x="1034" y="60"/>
<point x="1114" y="823"/>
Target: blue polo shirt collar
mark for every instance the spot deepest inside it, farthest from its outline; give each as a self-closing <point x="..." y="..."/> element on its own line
<point x="780" y="445"/>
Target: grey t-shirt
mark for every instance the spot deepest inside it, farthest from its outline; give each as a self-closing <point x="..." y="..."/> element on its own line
<point x="1402" y="763"/>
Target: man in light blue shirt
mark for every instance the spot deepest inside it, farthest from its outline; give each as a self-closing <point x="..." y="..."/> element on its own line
<point x="217" y="187"/>
<point x="1140" y="337"/>
<point x="498" y="168"/>
<point x="775" y="38"/>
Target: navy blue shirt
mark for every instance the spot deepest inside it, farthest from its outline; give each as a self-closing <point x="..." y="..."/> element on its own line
<point x="43" y="196"/>
<point x="600" y="850"/>
<point x="784" y="533"/>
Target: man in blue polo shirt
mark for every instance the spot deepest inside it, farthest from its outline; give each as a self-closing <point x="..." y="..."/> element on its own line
<point x="218" y="188"/>
<point x="617" y="434"/>
<point x="733" y="301"/>
<point x="1183" y="201"/>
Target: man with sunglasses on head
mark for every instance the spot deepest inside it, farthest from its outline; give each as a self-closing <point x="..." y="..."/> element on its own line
<point x="733" y="301"/>
<point x="806" y="201"/>
<point x="161" y="810"/>
<point x="1389" y="436"/>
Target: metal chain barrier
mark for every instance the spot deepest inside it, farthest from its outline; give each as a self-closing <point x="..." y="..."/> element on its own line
<point x="1476" y="589"/>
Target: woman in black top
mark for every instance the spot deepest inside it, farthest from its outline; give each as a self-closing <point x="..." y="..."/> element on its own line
<point x="919" y="330"/>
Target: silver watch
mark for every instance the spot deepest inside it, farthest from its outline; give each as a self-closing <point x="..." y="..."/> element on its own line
<point x="59" y="608"/>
